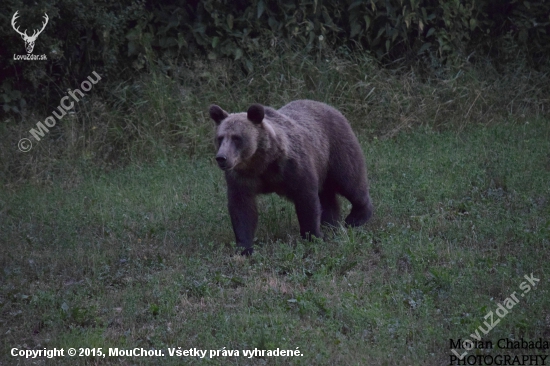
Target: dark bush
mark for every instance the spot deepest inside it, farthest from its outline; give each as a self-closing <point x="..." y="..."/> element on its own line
<point x="117" y="39"/>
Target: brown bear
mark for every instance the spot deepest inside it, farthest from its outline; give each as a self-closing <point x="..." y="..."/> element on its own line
<point x="305" y="151"/>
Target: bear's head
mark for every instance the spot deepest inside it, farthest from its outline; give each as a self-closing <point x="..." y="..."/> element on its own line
<point x="237" y="135"/>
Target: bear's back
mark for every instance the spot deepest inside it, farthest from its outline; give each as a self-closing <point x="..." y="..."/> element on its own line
<point x="320" y="120"/>
<point x="316" y="116"/>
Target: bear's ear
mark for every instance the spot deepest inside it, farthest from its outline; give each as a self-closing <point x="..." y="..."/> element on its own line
<point x="255" y="113"/>
<point x="217" y="114"/>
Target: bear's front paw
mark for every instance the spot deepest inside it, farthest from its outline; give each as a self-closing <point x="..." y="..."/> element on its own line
<point x="247" y="252"/>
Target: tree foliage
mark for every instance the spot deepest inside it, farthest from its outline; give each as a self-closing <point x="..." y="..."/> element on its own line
<point x="119" y="38"/>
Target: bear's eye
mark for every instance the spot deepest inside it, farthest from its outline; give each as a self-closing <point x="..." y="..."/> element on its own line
<point x="237" y="140"/>
<point x="220" y="139"/>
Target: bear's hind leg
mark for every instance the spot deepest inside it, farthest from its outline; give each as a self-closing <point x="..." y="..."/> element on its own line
<point x="308" y="210"/>
<point x="330" y="208"/>
<point x="360" y="214"/>
<point x="361" y="204"/>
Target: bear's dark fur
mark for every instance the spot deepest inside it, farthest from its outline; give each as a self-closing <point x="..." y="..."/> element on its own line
<point x="305" y="151"/>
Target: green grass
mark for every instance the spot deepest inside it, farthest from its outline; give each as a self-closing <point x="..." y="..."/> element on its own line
<point x="144" y="257"/>
<point x="161" y="116"/>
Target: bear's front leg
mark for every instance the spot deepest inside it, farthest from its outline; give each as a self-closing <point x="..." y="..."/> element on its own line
<point x="244" y="216"/>
<point x="308" y="210"/>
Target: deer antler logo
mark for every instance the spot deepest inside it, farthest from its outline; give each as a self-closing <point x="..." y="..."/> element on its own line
<point x="29" y="40"/>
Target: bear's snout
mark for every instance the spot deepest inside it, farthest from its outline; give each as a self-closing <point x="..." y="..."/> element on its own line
<point x="222" y="161"/>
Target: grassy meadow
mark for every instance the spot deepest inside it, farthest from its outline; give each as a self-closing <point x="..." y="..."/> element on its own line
<point x="135" y="249"/>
